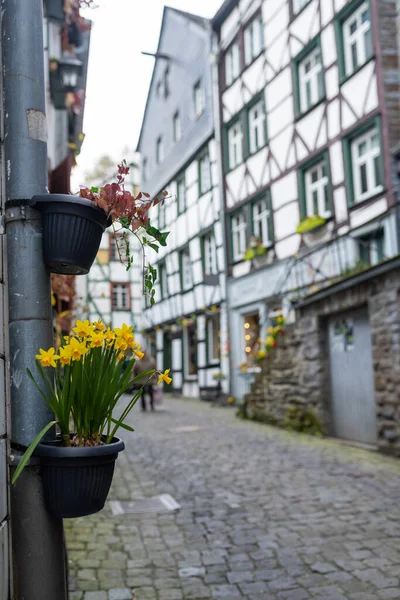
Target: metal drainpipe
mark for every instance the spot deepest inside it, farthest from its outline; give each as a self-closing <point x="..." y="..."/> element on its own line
<point x="218" y="143"/>
<point x="38" y="550"/>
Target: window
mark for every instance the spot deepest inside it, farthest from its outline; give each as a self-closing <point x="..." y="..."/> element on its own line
<point x="239" y="230"/>
<point x="310" y="80"/>
<point x="176" y="123"/>
<point x="162" y="217"/>
<point x="316" y="181"/>
<point x="145" y="169"/>
<point x="253" y="40"/>
<point x="181" y="194"/>
<point x="371" y="248"/>
<point x="204" y="173"/>
<point x="232" y="63"/>
<point x="366" y="165"/>
<point x="199" y="100"/>
<point x="159" y="150"/>
<point x="210" y="255"/>
<point x="262" y="221"/>
<point x="235" y="145"/>
<point x="163" y="278"/>
<point x="190" y="350"/>
<point x="117" y="242"/>
<point x="298" y="5"/>
<point x="120" y="296"/>
<point x="159" y="89"/>
<point x="186" y="270"/>
<point x="212" y="333"/>
<point x="357" y="39"/>
<point x="166" y="82"/>
<point x="257" y="126"/>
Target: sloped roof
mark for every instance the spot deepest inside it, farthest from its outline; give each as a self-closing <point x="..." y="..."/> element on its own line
<point x="223" y="12"/>
<point x="201" y="21"/>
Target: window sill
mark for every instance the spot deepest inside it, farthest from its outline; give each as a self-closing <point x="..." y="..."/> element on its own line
<point x="202" y="192"/>
<point x="253" y="60"/>
<point x="374" y="196"/>
<point x="300" y="116"/>
<point x="127" y="309"/>
<point x="189" y="378"/>
<point x="197" y="116"/>
<point x="344" y="78"/>
<point x="230" y="169"/>
<point x="256" y="151"/>
<point x="227" y="87"/>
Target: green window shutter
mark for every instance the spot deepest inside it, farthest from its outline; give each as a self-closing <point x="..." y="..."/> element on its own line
<point x="270" y="222"/>
<point x="340" y="49"/>
<point x="328" y="172"/>
<point x="302" y="193"/>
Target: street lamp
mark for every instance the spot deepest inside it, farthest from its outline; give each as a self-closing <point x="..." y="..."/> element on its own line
<point x="69" y="69"/>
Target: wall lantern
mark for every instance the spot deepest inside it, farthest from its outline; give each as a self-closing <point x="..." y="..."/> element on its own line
<point x="69" y="69"/>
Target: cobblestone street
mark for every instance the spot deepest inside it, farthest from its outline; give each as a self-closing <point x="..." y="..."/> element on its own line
<point x="265" y="515"/>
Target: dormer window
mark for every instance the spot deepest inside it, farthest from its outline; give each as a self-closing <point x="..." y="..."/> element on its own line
<point x="159" y="150"/>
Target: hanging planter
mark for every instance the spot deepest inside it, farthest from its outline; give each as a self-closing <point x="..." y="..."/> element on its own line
<point x="82" y="381"/>
<point x="72" y="230"/>
<point x="76" y="481"/>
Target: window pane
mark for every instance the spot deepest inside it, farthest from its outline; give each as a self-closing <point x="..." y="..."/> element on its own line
<point x="315" y="202"/>
<point x="363" y="177"/>
<point x="362" y="148"/>
<point x="354" y="56"/>
<point x="327" y="208"/>
<point x="377" y="171"/>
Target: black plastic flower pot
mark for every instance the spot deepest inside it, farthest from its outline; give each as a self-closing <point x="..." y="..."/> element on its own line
<point x="72" y="230"/>
<point x="76" y="481"/>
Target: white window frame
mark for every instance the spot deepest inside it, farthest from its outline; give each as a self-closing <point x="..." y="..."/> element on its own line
<point x="239" y="231"/>
<point x="257" y="126"/>
<point x="181" y="192"/>
<point x="120" y="296"/>
<point x="159" y="150"/>
<point x="261" y="220"/>
<point x="356" y="39"/>
<point x="205" y="173"/>
<point x="235" y="144"/>
<point x="368" y="160"/>
<point x="319" y="186"/>
<point x="253" y="40"/>
<point x="187" y="273"/>
<point x="211" y="323"/>
<point x="177" y="127"/>
<point x="232" y="63"/>
<point x="311" y="78"/>
<point x="186" y="374"/>
<point x="298" y="5"/>
<point x="210" y="254"/>
<point x="199" y="98"/>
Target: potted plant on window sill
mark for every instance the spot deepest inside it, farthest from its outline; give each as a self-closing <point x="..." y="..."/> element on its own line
<point x="256" y="251"/>
<point x="73" y="225"/>
<point x="86" y="380"/>
<point x="313" y="228"/>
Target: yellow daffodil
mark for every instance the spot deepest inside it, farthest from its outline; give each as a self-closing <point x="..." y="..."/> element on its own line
<point x="269" y="341"/>
<point x="271" y="330"/>
<point x="97" y="339"/>
<point x="65" y="355"/>
<point x="120" y="356"/>
<point x="78" y="349"/>
<point x="83" y="328"/>
<point x="99" y="325"/>
<point x="164" y="377"/>
<point x="261" y="354"/>
<point x="138" y="352"/>
<point x="48" y="357"/>
<point x="124" y="332"/>
<point x="120" y="344"/>
<point x="110" y="335"/>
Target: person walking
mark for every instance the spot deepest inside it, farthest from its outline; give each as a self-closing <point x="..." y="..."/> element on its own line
<point x="147" y="363"/>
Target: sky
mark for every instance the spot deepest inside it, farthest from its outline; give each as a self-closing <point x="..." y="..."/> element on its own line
<point x="119" y="75"/>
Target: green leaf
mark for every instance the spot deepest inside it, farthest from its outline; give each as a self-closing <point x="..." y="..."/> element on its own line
<point x="30" y="450"/>
<point x="123" y="425"/>
<point x="153" y="247"/>
<point x="94" y="189"/>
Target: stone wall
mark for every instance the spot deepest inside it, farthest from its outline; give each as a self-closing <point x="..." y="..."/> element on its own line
<point x="297" y="375"/>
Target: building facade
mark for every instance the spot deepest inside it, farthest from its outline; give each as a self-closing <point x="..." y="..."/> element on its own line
<point x="187" y="325"/>
<point x="309" y="118"/>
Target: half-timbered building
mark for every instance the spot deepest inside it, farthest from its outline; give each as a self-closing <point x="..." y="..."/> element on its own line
<point x="187" y="323"/>
<point x="309" y="121"/>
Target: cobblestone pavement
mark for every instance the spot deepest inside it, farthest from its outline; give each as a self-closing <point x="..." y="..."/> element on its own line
<point x="265" y="515"/>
